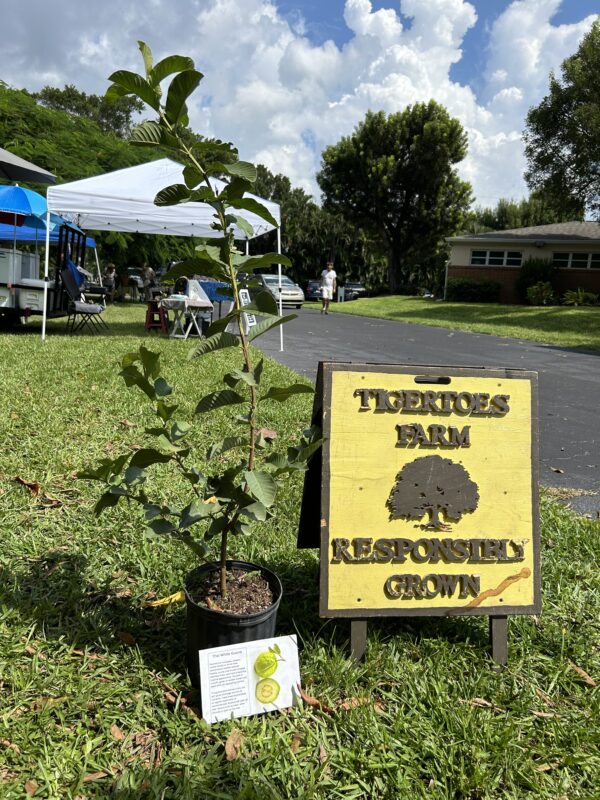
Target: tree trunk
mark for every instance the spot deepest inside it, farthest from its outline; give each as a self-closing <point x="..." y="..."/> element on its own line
<point x="395" y="277"/>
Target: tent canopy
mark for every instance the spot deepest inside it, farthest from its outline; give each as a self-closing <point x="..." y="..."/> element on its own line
<point x="124" y="201"/>
<point x="15" y="168"/>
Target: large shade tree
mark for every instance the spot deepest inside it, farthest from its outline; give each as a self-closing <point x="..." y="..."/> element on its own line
<point x="562" y="137"/>
<point x="395" y="177"/>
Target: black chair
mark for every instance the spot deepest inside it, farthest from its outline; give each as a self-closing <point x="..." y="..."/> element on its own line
<point x="89" y="313"/>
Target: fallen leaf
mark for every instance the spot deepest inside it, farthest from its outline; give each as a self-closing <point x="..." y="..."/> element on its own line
<point x="47" y="501"/>
<point x="88" y="654"/>
<point x="233" y="744"/>
<point x="33" y="486"/>
<point x="10" y="746"/>
<point x="177" y="597"/>
<point x="117" y="733"/>
<point x="557" y="469"/>
<point x="31" y="787"/>
<point x="126" y="637"/>
<point x="543" y="714"/>
<point x="267" y="433"/>
<point x="544" y="697"/>
<point x="46" y="702"/>
<point x="480" y="702"/>
<point x="126" y="423"/>
<point x="7" y="774"/>
<point x="583" y="674"/>
<point x="313" y="702"/>
<point x="296" y="742"/>
<point x="96" y="776"/>
<point x="547" y="767"/>
<point x="322" y="754"/>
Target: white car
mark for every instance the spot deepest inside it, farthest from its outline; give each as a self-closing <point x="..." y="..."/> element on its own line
<point x="291" y="293"/>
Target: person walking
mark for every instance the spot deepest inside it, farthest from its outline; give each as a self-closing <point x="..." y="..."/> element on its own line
<point x="328" y="286"/>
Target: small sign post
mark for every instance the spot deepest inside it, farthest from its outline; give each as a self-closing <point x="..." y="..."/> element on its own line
<point x="429" y="495"/>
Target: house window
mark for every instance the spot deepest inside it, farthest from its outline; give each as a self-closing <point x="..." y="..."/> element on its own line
<point x="496" y="258"/>
<point x="576" y="260"/>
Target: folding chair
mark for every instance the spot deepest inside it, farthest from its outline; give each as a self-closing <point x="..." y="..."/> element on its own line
<point x="89" y="313"/>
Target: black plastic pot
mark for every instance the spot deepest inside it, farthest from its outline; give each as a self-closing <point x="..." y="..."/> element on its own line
<point x="207" y="628"/>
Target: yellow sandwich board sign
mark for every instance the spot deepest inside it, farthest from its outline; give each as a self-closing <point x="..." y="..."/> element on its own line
<point x="429" y="502"/>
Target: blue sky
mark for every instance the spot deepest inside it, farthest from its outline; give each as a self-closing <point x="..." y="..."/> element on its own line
<point x="286" y="78"/>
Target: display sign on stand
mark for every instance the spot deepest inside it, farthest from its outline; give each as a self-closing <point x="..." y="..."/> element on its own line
<point x="429" y="495"/>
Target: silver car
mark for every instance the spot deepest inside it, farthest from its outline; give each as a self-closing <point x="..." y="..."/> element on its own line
<point x="291" y="293"/>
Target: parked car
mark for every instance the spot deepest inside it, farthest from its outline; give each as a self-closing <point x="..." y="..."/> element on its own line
<point x="291" y="293"/>
<point x="354" y="290"/>
<point x="313" y="290"/>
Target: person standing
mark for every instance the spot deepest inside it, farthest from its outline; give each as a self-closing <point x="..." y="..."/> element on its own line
<point x="328" y="286"/>
<point x="149" y="279"/>
<point x="109" y="279"/>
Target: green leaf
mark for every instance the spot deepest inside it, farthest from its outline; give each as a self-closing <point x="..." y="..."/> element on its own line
<point x="250" y="263"/>
<point x="256" y="511"/>
<point x="215" y="400"/>
<point x="213" y="146"/>
<point x="164" y="411"/>
<point x="162" y="388"/>
<point x="226" y="444"/>
<point x="258" y="371"/>
<point x="147" y="56"/>
<point x="167" y="445"/>
<point x="192" y="177"/>
<point x="212" y="343"/>
<point x="242" y="169"/>
<point x="179" y="430"/>
<point x="241" y="375"/>
<point x="196" y="511"/>
<point x="235" y="188"/>
<point x="115" y="92"/>
<point x="134" y="476"/>
<point x="147" y="456"/>
<point x="180" y="89"/>
<point x="167" y="66"/>
<point x="133" y="377"/>
<point x="148" y="133"/>
<point x="281" y="393"/>
<point x="152" y="511"/>
<point x="262" y="486"/>
<point x="150" y="362"/>
<point x="132" y="83"/>
<point x="244" y="226"/>
<point x="203" y="195"/>
<point x="220" y="324"/>
<point x="106" y="501"/>
<point x="252" y="205"/>
<point x="160" y="526"/>
<point x="304" y="453"/>
<point x="172" y="195"/>
<point x="216" y="527"/>
<point x="267" y="324"/>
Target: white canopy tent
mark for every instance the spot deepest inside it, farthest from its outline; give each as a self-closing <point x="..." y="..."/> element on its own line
<point x="124" y="201"/>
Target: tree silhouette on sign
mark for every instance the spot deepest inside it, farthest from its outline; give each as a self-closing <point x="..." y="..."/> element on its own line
<point x="432" y="485"/>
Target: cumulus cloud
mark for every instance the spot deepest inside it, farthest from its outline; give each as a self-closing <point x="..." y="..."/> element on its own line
<point x="281" y="98"/>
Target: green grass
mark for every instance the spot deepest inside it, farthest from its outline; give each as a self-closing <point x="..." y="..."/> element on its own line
<point x="88" y="676"/>
<point x="558" y="325"/>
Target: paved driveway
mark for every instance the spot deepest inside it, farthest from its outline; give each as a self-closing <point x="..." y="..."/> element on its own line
<point x="569" y="381"/>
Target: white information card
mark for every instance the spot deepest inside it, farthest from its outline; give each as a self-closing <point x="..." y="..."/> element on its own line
<point x="249" y="678"/>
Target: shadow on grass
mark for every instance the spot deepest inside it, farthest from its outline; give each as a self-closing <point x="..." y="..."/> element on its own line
<point x="53" y="596"/>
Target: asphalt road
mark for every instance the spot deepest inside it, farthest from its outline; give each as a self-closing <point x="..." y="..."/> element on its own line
<point x="569" y="380"/>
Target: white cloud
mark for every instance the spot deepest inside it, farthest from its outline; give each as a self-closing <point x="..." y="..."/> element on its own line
<point x="282" y="99"/>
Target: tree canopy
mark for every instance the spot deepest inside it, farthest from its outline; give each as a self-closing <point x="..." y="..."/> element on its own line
<point x="395" y="178"/>
<point x="562" y="137"/>
<point x="537" y="209"/>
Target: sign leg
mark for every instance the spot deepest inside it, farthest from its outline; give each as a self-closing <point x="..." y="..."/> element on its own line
<point x="358" y="638"/>
<point x="499" y="640"/>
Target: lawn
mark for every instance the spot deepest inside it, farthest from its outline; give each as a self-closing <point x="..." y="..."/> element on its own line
<point x="94" y="702"/>
<point x="565" y="326"/>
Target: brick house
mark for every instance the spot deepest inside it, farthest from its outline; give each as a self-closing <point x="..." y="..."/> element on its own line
<point x="573" y="246"/>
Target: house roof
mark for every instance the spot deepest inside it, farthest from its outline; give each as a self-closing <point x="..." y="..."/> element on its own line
<point x="571" y="232"/>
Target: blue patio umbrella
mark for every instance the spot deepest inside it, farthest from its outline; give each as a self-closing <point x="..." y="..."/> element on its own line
<point x="14" y="204"/>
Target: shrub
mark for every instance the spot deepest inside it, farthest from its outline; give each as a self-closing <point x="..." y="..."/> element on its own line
<point x="579" y="297"/>
<point x="467" y="290"/>
<point x="540" y="294"/>
<point x="533" y="271"/>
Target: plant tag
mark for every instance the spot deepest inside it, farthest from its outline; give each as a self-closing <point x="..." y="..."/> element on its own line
<point x="249" y="678"/>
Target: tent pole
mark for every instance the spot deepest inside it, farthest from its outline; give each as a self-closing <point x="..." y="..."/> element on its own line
<point x="46" y="265"/>
<point x="280" y="300"/>
<point x="247" y="247"/>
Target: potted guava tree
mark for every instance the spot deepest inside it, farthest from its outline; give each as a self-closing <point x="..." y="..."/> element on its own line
<point x="228" y="601"/>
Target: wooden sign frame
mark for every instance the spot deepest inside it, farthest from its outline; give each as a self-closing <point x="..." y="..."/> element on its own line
<point x="316" y="532"/>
